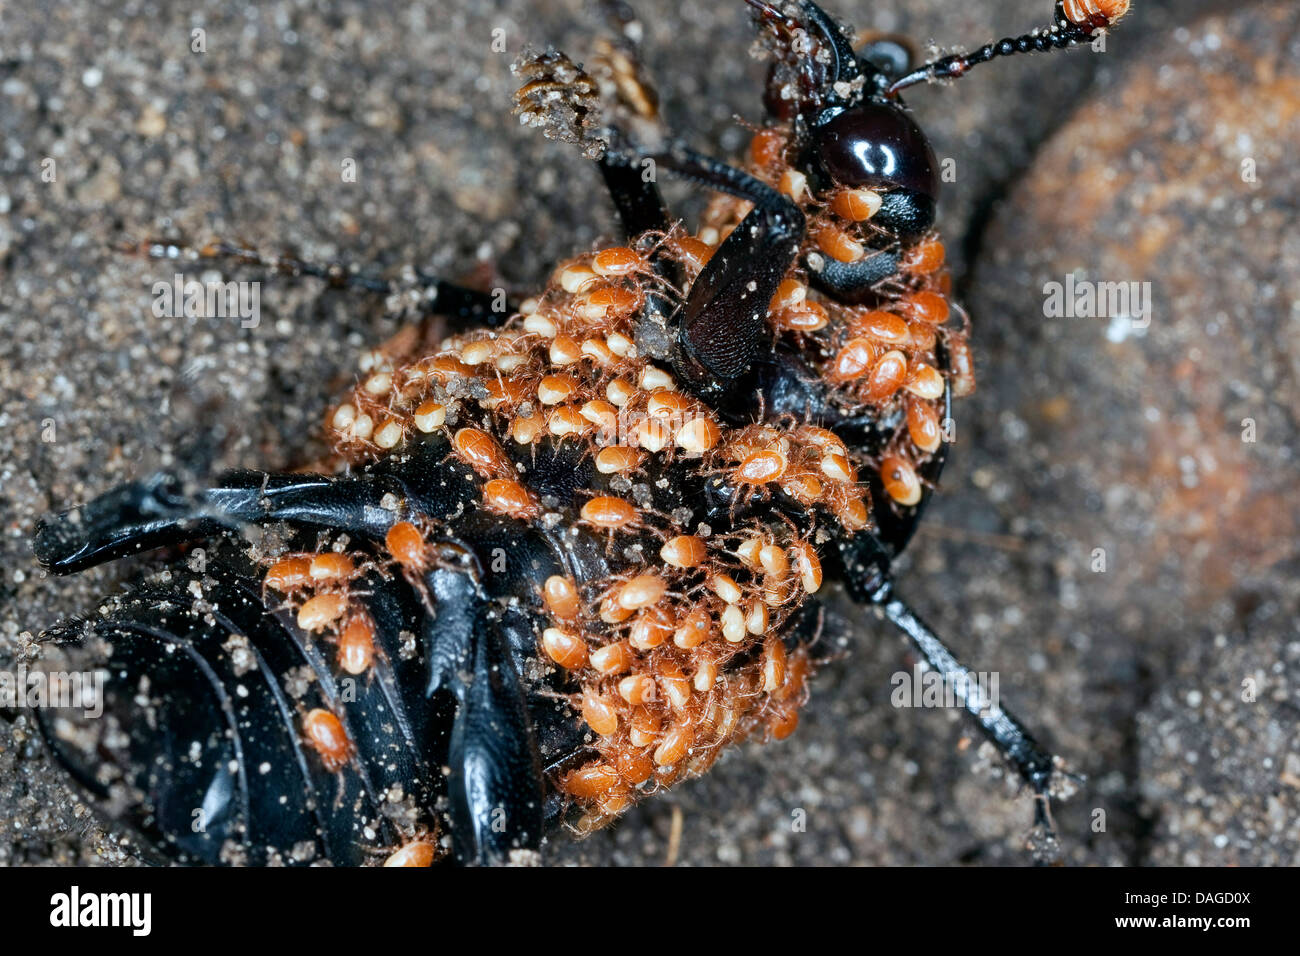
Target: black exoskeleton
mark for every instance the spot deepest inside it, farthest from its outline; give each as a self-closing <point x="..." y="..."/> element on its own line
<point x="461" y="726"/>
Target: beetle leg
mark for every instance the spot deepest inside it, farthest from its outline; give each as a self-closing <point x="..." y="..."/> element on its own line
<point x="640" y="206"/>
<point x="1017" y="745"/>
<point x="160" y="511"/>
<point x="495" y="780"/>
<point x="469" y="307"/>
<point x="724" y="319"/>
<point x="622" y="99"/>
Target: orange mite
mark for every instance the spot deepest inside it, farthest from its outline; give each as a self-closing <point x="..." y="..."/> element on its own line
<point x="356" y="647"/>
<point x="330" y="567"/>
<point x="692" y="252"/>
<point x="289" y="574"/>
<point x="928" y="307"/>
<point x="609" y="513"/>
<point x="884" y="327"/>
<point x="599" y="714"/>
<point x="322" y="610"/>
<point x="684" y="551"/>
<point x="927" y="258"/>
<point x="561" y="596"/>
<point x="839" y="245"/>
<point x="617" y="458"/>
<point x="618" y="261"/>
<point x="900" y="480"/>
<point x="803" y="317"/>
<point x="766" y="147"/>
<point x="856" y="205"/>
<point x="406" y="545"/>
<point x="887" y="376"/>
<point x="591" y="781"/>
<point x="481" y="452"/>
<point x="853" y="360"/>
<point x="923" y="426"/>
<point x="761" y="467"/>
<point x="1084" y="12"/>
<point x="326" y="736"/>
<point x="607" y="302"/>
<point x="415" y="853"/>
<point x="567" y="650"/>
<point x="505" y="496"/>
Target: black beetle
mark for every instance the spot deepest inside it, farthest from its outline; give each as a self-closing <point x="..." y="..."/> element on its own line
<point x="567" y="554"/>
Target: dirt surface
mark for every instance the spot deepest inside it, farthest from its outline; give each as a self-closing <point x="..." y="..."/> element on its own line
<point x="1171" y="678"/>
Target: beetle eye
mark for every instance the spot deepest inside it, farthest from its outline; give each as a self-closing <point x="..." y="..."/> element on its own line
<point x="877" y="145"/>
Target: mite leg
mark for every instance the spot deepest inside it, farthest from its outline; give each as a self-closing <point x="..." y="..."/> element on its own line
<point x="432" y="295"/>
<point x="1035" y="765"/>
<point x="724" y="321"/>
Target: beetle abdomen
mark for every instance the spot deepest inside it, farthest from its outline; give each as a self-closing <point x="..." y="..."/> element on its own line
<point x="202" y="747"/>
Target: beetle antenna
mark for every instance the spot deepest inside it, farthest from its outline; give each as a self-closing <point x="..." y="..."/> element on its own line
<point x="1077" y="21"/>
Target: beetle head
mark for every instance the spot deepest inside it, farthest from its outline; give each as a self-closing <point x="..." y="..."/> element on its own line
<point x="847" y="128"/>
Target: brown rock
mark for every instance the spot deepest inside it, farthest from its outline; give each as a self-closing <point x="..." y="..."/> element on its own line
<point x="1170" y="446"/>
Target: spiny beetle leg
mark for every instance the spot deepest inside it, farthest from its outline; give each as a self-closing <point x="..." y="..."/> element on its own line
<point x="1017" y="745"/>
<point x="641" y="210"/>
<point x="160" y="511"/>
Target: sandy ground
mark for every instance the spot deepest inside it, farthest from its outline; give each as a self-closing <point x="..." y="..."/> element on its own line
<point x="1171" y="678"/>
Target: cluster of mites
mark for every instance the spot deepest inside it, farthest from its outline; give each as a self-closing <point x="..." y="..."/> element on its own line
<point x="676" y="658"/>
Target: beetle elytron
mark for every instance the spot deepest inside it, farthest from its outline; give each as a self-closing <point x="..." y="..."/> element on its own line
<point x="565" y="552"/>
